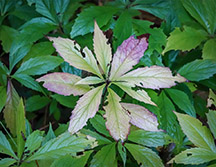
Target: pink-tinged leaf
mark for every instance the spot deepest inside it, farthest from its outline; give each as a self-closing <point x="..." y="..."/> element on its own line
<point x="70" y="51"/>
<point x="141" y="117"/>
<point x="127" y="55"/>
<point x="86" y="108"/>
<point x="140" y="95"/>
<point x="63" y="84"/>
<point x="154" y="77"/>
<point x="117" y="120"/>
<point x="102" y="49"/>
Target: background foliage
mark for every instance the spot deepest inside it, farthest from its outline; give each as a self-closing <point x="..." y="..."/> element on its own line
<point x="181" y="36"/>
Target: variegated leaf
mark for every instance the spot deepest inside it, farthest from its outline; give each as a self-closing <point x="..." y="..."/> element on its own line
<point x="90" y="81"/>
<point x="140" y="95"/>
<point x="86" y="108"/>
<point x="102" y="49"/>
<point x="127" y="55"/>
<point x="154" y="77"/>
<point x="141" y="117"/>
<point x="117" y="120"/>
<point x="63" y="83"/>
<point x="71" y="53"/>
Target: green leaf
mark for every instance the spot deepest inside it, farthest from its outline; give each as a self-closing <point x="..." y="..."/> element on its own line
<point x="194" y="156"/>
<point x="211" y="117"/>
<point x="67" y="160"/>
<point x="117" y="119"/>
<point x="7" y="35"/>
<point x="28" y="82"/>
<point x="203" y="12"/>
<point x="198" y="70"/>
<point x="36" y="102"/>
<point x="62" y="145"/>
<point x="68" y="101"/>
<point x="123" y="153"/>
<point x="3" y="69"/>
<point x="147" y="138"/>
<point x="50" y="135"/>
<point x="84" y="23"/>
<point x="34" y="141"/>
<point x="209" y="49"/>
<point x="39" y="65"/>
<point x="7" y="162"/>
<point x="98" y="122"/>
<point x="185" y="40"/>
<point x="123" y="28"/>
<point x="182" y="101"/>
<point x="3" y="97"/>
<point x="20" y="128"/>
<point x="5" y="146"/>
<point x="91" y="80"/>
<point x="144" y="156"/>
<point x="197" y="133"/>
<point x="106" y="157"/>
<point x="10" y="109"/>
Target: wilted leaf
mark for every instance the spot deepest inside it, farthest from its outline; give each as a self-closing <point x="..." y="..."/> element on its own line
<point x="126" y="56"/>
<point x="117" y="120"/>
<point x="86" y="108"/>
<point x="63" y="83"/>
<point x="153" y="77"/>
<point x="141" y="117"/>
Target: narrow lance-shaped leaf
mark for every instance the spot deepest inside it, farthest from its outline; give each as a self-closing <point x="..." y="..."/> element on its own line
<point x="71" y="53"/>
<point x="153" y="77"/>
<point x="127" y="55"/>
<point x="141" y="117"/>
<point x="140" y="95"/>
<point x="117" y="120"/>
<point x="90" y="80"/>
<point x="86" y="108"/>
<point x="102" y="49"/>
<point x="63" y="83"/>
<point x="197" y="134"/>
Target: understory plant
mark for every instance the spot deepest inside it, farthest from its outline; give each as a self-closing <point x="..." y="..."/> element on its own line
<point x="109" y="70"/>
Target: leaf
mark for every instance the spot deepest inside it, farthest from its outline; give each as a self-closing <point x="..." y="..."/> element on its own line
<point x="11" y="108"/>
<point x="28" y="82"/>
<point x="7" y="35"/>
<point x="102" y="49"/>
<point x="7" y="162"/>
<point x="154" y="77"/>
<point x="123" y="153"/>
<point x="106" y="157"/>
<point x="98" y="122"/>
<point x="198" y="70"/>
<point x="91" y="80"/>
<point x="141" y="117"/>
<point x="36" y="102"/>
<point x="202" y="12"/>
<point x="147" y="138"/>
<point x="126" y="56"/>
<point x="68" y="101"/>
<point x="39" y="65"/>
<point x="84" y="23"/>
<point x="86" y="108"/>
<point x="196" y="133"/>
<point x="117" y="120"/>
<point x="194" y="156"/>
<point x="63" y="83"/>
<point x="144" y="156"/>
<point x="3" y="97"/>
<point x="211" y="117"/>
<point x="71" y="53"/>
<point x="34" y="141"/>
<point x="185" y="40"/>
<point x="20" y="128"/>
<point x="60" y="146"/>
<point x="140" y="95"/>
<point x="5" y="146"/>
<point x="211" y="101"/>
<point x="209" y="49"/>
<point x="3" y="69"/>
<point x="182" y="101"/>
<point x="50" y="135"/>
